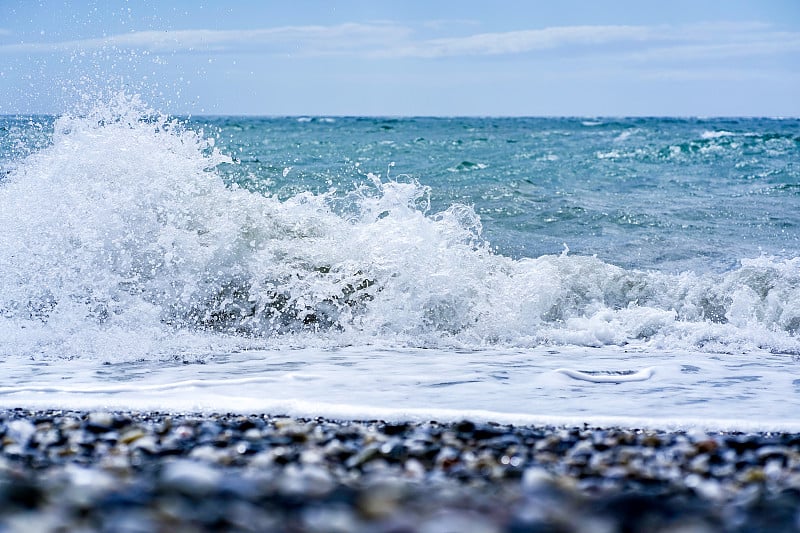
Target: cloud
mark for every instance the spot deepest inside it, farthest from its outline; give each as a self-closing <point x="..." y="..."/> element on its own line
<point x="517" y="42"/>
<point x="385" y="39"/>
<point x="304" y="40"/>
<point x="638" y="43"/>
<point x="715" y="41"/>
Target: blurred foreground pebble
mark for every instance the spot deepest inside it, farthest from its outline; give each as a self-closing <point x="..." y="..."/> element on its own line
<point x="142" y="472"/>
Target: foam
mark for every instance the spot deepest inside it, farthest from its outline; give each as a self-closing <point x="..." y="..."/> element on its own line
<point x="716" y="134"/>
<point x="121" y="241"/>
<point x="304" y="409"/>
<point x="348" y="411"/>
<point x="616" y="376"/>
<point x="531" y="386"/>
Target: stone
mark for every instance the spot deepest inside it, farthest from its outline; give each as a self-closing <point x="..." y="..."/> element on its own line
<point x="190" y="477"/>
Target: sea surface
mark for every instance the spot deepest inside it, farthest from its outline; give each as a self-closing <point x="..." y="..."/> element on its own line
<point x="643" y="272"/>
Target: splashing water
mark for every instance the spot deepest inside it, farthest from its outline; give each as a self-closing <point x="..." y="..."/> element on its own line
<point x="121" y="240"/>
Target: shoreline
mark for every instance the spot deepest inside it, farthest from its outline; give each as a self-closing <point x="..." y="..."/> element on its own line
<point x="145" y="471"/>
<point x="50" y="398"/>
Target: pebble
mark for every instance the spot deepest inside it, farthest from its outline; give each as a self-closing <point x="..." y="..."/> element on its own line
<point x="190" y="477"/>
<point x="124" y="471"/>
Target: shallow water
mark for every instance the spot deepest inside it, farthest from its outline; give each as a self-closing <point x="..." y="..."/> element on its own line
<point x="628" y="271"/>
<point x="542" y="386"/>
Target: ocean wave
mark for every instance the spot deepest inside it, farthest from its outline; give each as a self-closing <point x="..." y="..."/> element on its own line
<point x="121" y="236"/>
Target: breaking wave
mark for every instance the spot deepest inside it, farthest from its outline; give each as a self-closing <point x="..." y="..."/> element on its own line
<point x="120" y="239"/>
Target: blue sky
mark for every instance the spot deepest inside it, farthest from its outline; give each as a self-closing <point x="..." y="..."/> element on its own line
<point x="566" y="57"/>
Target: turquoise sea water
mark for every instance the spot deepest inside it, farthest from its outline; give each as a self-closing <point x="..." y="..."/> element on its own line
<point x="642" y="269"/>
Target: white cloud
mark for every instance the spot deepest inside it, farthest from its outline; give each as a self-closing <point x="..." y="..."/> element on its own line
<point x="687" y="42"/>
<point x="716" y="41"/>
<point x="304" y="40"/>
<point x="755" y="46"/>
<point x="384" y="39"/>
<point x="516" y="42"/>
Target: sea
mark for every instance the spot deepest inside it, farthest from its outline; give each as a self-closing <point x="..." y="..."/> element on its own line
<point x="638" y="272"/>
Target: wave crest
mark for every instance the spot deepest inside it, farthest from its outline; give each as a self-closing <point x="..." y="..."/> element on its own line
<point x="124" y="225"/>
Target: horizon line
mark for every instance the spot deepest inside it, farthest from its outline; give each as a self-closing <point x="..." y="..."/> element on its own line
<point x="457" y="116"/>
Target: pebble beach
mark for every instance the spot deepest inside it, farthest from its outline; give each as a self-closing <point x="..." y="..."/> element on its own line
<point x="148" y="471"/>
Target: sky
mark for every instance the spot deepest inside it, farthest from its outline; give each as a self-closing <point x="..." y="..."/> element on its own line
<point x="407" y="58"/>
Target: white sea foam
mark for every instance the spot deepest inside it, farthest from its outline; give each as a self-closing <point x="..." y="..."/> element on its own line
<point x="618" y="376"/>
<point x="665" y="390"/>
<point x="623" y="136"/>
<point x="612" y="154"/>
<point x="121" y="242"/>
<point x="716" y="134"/>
